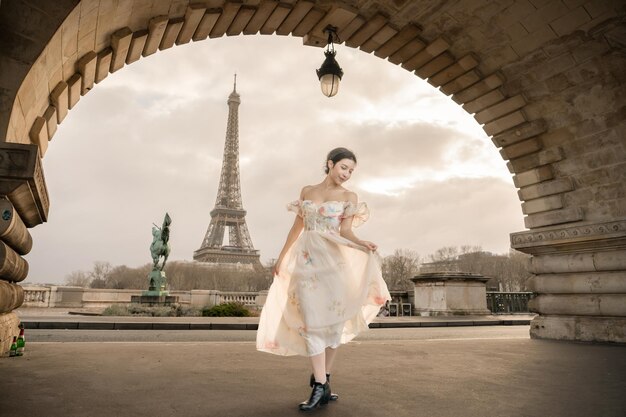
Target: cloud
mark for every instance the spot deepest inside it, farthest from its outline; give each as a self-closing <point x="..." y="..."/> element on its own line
<point x="150" y="138"/>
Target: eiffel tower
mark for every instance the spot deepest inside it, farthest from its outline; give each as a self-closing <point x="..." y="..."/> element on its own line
<point x="228" y="211"/>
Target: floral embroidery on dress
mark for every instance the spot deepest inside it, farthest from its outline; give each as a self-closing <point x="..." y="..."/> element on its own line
<point x="309" y="283"/>
<point x="337" y="307"/>
<point x="360" y="213"/>
<point x="307" y="258"/>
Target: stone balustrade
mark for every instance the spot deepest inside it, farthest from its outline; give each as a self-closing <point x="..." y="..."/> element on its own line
<point x="77" y="297"/>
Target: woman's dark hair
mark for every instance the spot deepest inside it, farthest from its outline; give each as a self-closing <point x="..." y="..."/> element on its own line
<point x="337" y="155"/>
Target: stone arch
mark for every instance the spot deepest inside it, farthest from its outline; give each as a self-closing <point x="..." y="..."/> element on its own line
<point x="543" y="80"/>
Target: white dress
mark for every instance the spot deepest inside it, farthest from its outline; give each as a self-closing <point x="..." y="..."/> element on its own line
<point x="328" y="290"/>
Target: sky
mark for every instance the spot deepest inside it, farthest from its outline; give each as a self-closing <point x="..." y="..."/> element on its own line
<point x="149" y="139"/>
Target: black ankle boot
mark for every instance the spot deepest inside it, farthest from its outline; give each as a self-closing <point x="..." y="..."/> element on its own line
<point x="319" y="397"/>
<point x="333" y="396"/>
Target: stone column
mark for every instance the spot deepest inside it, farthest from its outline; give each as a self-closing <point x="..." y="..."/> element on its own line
<point x="579" y="280"/>
<point x="450" y="293"/>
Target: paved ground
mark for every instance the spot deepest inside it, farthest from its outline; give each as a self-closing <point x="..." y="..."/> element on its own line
<point x="430" y="372"/>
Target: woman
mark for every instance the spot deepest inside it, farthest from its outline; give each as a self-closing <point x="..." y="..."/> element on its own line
<point x="327" y="282"/>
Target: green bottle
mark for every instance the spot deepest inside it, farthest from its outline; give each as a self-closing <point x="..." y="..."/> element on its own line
<point x="21" y="342"/>
<point x="13" y="351"/>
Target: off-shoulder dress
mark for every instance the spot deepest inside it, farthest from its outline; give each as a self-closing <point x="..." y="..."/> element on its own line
<point x="328" y="290"/>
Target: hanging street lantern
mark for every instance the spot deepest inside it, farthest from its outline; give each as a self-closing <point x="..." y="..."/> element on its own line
<point x="330" y="73"/>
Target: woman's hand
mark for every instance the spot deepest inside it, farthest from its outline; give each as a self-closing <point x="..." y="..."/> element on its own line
<point x="276" y="268"/>
<point x="369" y="245"/>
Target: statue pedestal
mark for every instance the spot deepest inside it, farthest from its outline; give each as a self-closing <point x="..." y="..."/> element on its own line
<point x="154" y="300"/>
<point x="450" y="293"/>
<point x="156" y="294"/>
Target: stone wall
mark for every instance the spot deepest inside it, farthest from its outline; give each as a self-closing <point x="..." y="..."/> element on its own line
<point x="544" y="79"/>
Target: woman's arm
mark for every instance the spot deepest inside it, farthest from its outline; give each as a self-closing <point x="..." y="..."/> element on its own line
<point x="296" y="229"/>
<point x="346" y="228"/>
<point x="294" y="232"/>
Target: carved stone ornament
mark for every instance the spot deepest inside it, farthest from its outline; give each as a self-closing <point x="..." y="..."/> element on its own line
<point x="581" y="238"/>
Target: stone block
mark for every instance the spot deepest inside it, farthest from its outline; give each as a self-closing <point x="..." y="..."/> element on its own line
<point x="13" y="231"/>
<point x="13" y="267"/>
<point x="137" y="44"/>
<point x="546" y="188"/>
<point x="570" y="22"/>
<point x="539" y="205"/>
<point x="156" y="29"/>
<point x="379" y="38"/>
<point x="406" y="52"/>
<point x="579" y="328"/>
<point x="120" y="42"/>
<point x="206" y="24"/>
<point x="87" y="68"/>
<point x="241" y="20"/>
<point x="74" y="85"/>
<point x="436" y="65"/>
<point x="469" y="78"/>
<point x="366" y="31"/>
<point x="535" y="160"/>
<point x="59" y="97"/>
<point x="504" y="123"/>
<point x="546" y="13"/>
<point x="338" y="16"/>
<point x="9" y="323"/>
<point x="454" y="71"/>
<point x="103" y="63"/>
<point x="393" y="45"/>
<point x="579" y="283"/>
<point x="226" y="18"/>
<point x="50" y="115"/>
<point x="478" y="89"/>
<point x="171" y="33"/>
<point x="450" y="293"/>
<point x="298" y="13"/>
<point x="533" y="176"/>
<point x="276" y="18"/>
<point x="483" y="102"/>
<point x="39" y="134"/>
<point x="500" y="109"/>
<point x="520" y="149"/>
<point x="579" y="304"/>
<point x="263" y="12"/>
<point x="437" y="47"/>
<point x="193" y="15"/>
<point x="548" y="218"/>
<point x="308" y="23"/>
<point x="533" y="41"/>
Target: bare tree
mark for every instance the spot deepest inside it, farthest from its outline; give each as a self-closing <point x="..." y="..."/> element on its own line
<point x="399" y="268"/>
<point x="78" y="279"/>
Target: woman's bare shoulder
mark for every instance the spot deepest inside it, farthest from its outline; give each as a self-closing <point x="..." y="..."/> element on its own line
<point x="305" y="191"/>
<point x="351" y="196"/>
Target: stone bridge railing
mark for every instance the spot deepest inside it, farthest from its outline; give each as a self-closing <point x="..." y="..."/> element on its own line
<point x="77" y="297"/>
